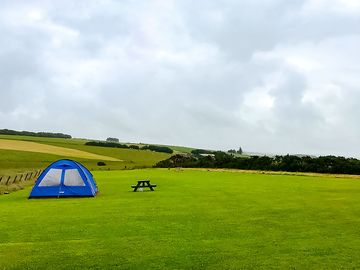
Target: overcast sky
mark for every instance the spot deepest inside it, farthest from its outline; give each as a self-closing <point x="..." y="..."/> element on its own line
<point x="275" y="76"/>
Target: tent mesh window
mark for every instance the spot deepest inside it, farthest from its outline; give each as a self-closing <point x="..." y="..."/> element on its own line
<point x="73" y="178"/>
<point x="52" y="178"/>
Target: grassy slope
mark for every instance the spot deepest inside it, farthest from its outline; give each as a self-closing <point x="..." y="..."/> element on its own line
<point x="59" y="141"/>
<point x="43" y="139"/>
<point x="36" y="147"/>
<point x="195" y="219"/>
<point x="180" y="149"/>
<point x="18" y="161"/>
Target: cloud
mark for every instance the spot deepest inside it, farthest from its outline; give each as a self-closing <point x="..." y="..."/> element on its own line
<point x="272" y="76"/>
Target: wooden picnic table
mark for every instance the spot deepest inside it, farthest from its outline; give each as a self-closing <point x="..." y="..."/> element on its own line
<point x="143" y="184"/>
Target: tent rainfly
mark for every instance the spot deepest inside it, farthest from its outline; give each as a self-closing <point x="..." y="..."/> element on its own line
<point x="65" y="178"/>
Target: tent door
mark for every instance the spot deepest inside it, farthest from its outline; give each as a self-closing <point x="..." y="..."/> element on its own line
<point x="61" y="187"/>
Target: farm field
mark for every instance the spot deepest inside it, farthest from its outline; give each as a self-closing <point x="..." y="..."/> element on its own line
<point x="79" y="142"/>
<point x="50" y="149"/>
<point x="194" y="220"/>
<point x="40" y="152"/>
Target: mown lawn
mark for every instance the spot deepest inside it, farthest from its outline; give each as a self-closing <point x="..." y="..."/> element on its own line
<point x="195" y="220"/>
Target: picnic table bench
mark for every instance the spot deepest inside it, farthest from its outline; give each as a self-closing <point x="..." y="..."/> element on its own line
<point x="143" y="184"/>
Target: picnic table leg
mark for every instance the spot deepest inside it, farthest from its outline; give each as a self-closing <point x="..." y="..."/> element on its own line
<point x="135" y="189"/>
<point x="149" y="186"/>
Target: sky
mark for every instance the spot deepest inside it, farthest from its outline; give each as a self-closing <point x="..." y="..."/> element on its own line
<point x="271" y="76"/>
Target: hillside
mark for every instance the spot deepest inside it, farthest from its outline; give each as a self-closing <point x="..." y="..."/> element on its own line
<point x="37" y="152"/>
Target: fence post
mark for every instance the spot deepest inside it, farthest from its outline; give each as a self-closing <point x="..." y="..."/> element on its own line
<point x="2" y="180"/>
<point x="8" y="180"/>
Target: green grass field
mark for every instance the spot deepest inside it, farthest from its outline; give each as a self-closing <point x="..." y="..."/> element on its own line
<point x="194" y="220"/>
<point x="12" y="161"/>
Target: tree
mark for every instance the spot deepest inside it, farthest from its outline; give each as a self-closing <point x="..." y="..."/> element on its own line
<point x="240" y="151"/>
<point x="201" y="151"/>
<point x="290" y="163"/>
<point x="157" y="148"/>
<point x="112" y="140"/>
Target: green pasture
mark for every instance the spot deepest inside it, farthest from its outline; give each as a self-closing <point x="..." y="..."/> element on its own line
<point x="44" y="140"/>
<point x="79" y="143"/>
<point x="194" y="220"/>
<point x="12" y="161"/>
<point x="20" y="161"/>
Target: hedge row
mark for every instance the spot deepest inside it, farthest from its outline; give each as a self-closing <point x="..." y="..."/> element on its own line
<point x="290" y="163"/>
<point x="34" y="134"/>
<point x="155" y="148"/>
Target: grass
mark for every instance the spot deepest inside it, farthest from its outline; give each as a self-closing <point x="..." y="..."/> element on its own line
<point x="43" y="139"/>
<point x="80" y="142"/>
<point x="50" y="149"/>
<point x="180" y="149"/>
<point x="195" y="220"/>
<point x="14" y="161"/>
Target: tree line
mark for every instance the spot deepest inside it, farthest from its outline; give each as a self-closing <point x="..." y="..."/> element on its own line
<point x="154" y="148"/>
<point x="210" y="152"/>
<point x="290" y="163"/>
<point x="34" y="134"/>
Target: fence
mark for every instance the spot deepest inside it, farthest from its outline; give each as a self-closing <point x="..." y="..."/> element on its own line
<point x="8" y="180"/>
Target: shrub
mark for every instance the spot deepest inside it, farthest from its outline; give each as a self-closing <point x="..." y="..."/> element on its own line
<point x="116" y="140"/>
<point x="34" y="134"/>
<point x="201" y="151"/>
<point x="157" y="148"/>
<point x="106" y="144"/>
<point x="290" y="163"/>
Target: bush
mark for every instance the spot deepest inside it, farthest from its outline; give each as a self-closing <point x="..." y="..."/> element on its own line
<point x="201" y="151"/>
<point x="106" y="144"/>
<point x="290" y="163"/>
<point x="101" y="163"/>
<point x="116" y="140"/>
<point x="34" y="134"/>
<point x="156" y="148"/>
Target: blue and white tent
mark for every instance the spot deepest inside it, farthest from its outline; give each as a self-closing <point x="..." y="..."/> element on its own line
<point x="65" y="178"/>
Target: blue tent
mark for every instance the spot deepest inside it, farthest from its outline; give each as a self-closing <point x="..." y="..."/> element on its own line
<point x="65" y="178"/>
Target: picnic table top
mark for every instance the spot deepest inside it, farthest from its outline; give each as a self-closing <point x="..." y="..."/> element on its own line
<point x="143" y="181"/>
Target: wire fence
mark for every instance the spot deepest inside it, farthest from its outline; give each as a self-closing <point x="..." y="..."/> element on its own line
<point x="8" y="180"/>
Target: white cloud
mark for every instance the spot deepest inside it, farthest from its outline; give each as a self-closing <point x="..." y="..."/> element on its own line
<point x="271" y="76"/>
<point x="341" y="6"/>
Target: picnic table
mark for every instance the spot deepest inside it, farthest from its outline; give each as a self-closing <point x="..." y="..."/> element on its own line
<point x="143" y="184"/>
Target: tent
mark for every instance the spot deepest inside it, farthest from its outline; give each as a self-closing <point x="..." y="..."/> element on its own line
<point x="65" y="178"/>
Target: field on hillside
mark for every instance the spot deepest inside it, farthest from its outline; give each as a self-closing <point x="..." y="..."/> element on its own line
<point x="12" y="161"/>
<point x="194" y="220"/>
<point x="27" y="146"/>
